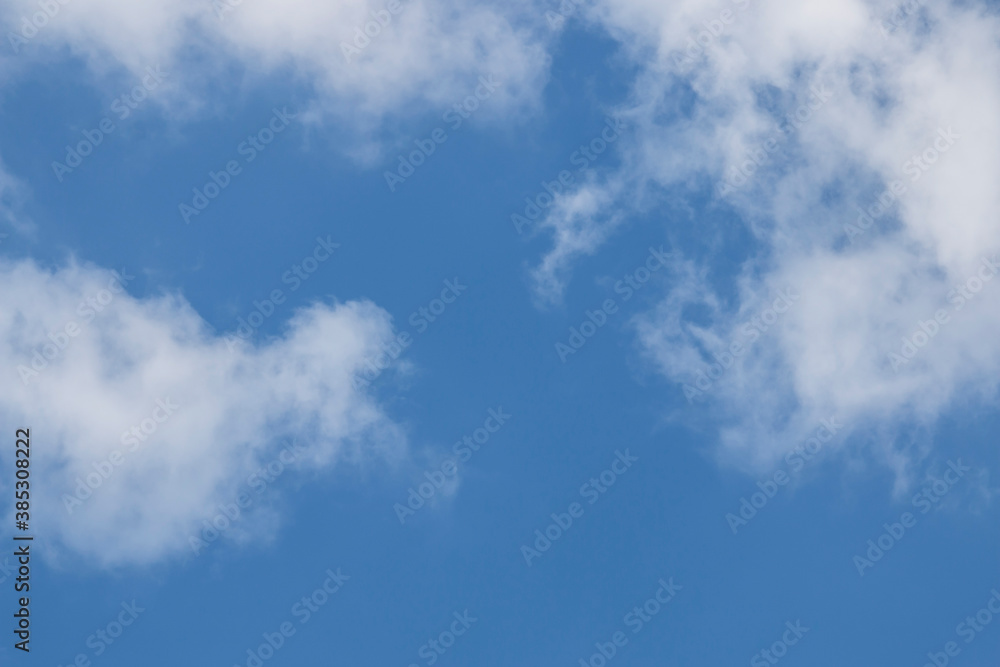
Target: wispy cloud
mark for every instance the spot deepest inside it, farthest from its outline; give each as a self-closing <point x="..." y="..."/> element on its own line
<point x="885" y="99"/>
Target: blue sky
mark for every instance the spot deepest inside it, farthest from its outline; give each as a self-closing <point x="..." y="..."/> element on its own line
<point x="606" y="436"/>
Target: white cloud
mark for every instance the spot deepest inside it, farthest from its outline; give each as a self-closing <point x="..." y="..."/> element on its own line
<point x="580" y="221"/>
<point x="891" y="96"/>
<point x="12" y="195"/>
<point x="427" y="53"/>
<point x="234" y="406"/>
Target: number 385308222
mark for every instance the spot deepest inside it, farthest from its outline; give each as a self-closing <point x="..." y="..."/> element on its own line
<point x="22" y="461"/>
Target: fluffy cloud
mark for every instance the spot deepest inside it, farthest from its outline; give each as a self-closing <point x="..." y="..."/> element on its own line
<point x="363" y="61"/>
<point x="423" y="52"/>
<point x="791" y="116"/>
<point x="89" y="363"/>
